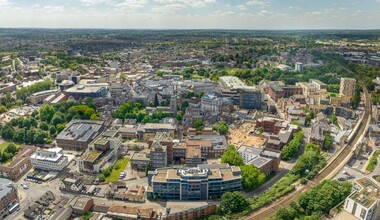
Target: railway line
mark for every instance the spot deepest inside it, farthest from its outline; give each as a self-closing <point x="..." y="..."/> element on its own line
<point x="270" y="210"/>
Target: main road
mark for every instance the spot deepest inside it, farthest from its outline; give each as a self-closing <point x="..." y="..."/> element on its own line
<point x="270" y="210"/>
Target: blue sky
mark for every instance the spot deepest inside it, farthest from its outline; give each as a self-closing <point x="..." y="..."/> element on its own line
<point x="185" y="14"/>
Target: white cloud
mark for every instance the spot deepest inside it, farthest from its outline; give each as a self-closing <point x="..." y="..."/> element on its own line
<point x="4" y="2"/>
<point x="191" y="3"/>
<point x="261" y="3"/>
<point x="130" y="4"/>
<point x="51" y="9"/>
<point x="94" y="2"/>
<point x="168" y="9"/>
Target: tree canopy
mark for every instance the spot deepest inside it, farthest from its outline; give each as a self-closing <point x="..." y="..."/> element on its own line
<point x="233" y="202"/>
<point x="232" y="157"/>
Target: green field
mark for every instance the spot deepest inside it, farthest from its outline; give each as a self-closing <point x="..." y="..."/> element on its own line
<point x="115" y="174"/>
<point x="5" y="144"/>
<point x="331" y="93"/>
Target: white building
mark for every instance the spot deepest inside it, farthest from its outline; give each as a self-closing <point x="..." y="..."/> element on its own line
<point x="248" y="153"/>
<point x="51" y="159"/>
<point x="364" y="202"/>
<point x="299" y="67"/>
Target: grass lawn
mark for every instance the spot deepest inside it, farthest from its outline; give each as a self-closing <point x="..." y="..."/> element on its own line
<point x="115" y="174"/>
<point x="330" y="93"/>
<point x="5" y="144"/>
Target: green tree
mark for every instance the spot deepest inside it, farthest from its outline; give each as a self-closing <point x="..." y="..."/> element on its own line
<point x="46" y="113"/>
<point x="39" y="137"/>
<point x="233" y="202"/>
<point x="19" y="136"/>
<point x="223" y="128"/>
<point x="11" y="148"/>
<point x="198" y="125"/>
<point x="52" y="131"/>
<point x="291" y="150"/>
<point x="334" y="119"/>
<point x="232" y="157"/>
<point x="60" y="128"/>
<point x="94" y="117"/>
<point x="44" y="126"/>
<point x="328" y="142"/>
<point x="7" y="132"/>
<point x="252" y="177"/>
<point x="57" y="119"/>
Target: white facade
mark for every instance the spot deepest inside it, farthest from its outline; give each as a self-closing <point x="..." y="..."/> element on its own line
<point x="248" y="153"/>
<point x="51" y="159"/>
<point x="364" y="202"/>
<point x="299" y="67"/>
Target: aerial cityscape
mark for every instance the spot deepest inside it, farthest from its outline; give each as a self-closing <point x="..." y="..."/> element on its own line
<point x="190" y="109"/>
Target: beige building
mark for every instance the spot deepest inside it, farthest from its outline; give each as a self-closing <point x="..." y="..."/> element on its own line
<point x="347" y="86"/>
<point x="364" y="202"/>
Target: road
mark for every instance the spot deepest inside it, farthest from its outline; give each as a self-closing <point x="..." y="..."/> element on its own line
<point x="270" y="210"/>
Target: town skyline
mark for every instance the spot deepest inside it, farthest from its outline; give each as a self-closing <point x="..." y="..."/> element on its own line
<point x="191" y="14"/>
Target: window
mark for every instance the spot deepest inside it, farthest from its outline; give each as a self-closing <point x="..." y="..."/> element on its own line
<point x="363" y="213"/>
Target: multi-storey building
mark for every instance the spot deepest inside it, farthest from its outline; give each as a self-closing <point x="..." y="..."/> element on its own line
<point x="267" y="160"/>
<point x="277" y="91"/>
<point x="149" y="130"/>
<point x="201" y="183"/>
<point x="8" y="198"/>
<point x="250" y="97"/>
<point x="347" y="86"/>
<point x="38" y="98"/>
<point x="81" y="91"/>
<point x="19" y="165"/>
<point x="49" y="159"/>
<point x="100" y="152"/>
<point x="158" y="155"/>
<point x="78" y="134"/>
<point x="364" y="202"/>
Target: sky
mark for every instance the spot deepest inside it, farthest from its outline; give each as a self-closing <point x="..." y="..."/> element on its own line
<point x="191" y="14"/>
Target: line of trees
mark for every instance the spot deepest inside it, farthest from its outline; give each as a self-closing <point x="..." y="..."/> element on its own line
<point x="291" y="150"/>
<point x="317" y="202"/>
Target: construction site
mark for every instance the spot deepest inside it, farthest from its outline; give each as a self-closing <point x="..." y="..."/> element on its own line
<point x="244" y="134"/>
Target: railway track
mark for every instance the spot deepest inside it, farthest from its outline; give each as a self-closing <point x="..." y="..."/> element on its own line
<point x="270" y="210"/>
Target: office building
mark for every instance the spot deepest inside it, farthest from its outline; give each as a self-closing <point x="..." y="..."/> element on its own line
<point x="347" y="86"/>
<point x="201" y="183"/>
<point x="276" y="90"/>
<point x="267" y="160"/>
<point x="158" y="155"/>
<point x="38" y="97"/>
<point x="51" y="159"/>
<point x="149" y="130"/>
<point x="364" y="202"/>
<point x="78" y="134"/>
<point x="250" y="97"/>
<point x="82" y="91"/>
<point x="100" y="152"/>
<point x="230" y="81"/>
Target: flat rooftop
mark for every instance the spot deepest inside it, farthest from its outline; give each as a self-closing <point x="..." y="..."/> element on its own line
<point x="4" y="187"/>
<point x="369" y="193"/>
<point x="85" y="88"/>
<point x="81" y="130"/>
<point x="90" y="156"/>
